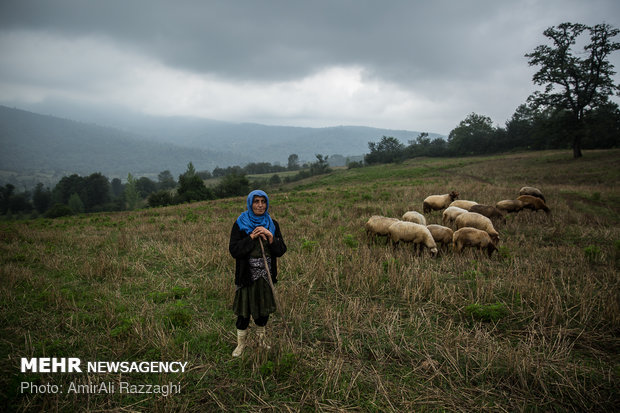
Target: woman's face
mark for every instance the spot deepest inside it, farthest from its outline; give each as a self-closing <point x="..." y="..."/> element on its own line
<point x="259" y="205"/>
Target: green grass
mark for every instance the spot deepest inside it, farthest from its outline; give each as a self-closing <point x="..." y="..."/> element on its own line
<point x="374" y="328"/>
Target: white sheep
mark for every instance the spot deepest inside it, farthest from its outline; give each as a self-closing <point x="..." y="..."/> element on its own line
<point x="473" y="237"/>
<point x="414" y="216"/>
<point x="450" y="214"/>
<point x="463" y="203"/>
<point x="530" y="190"/>
<point x="418" y="234"/>
<point x="509" y="205"/>
<point x="437" y="202"/>
<point x="378" y="225"/>
<point x="442" y="235"/>
<point x="479" y="221"/>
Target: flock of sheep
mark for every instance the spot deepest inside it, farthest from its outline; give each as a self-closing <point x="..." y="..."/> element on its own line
<point x="465" y="223"/>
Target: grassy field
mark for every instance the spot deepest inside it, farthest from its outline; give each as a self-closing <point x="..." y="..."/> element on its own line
<point x="533" y="328"/>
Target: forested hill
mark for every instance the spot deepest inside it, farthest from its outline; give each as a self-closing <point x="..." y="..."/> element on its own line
<point x="33" y="142"/>
<point x="146" y="145"/>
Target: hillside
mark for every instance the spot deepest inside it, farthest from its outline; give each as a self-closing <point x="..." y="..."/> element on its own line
<point x="36" y="147"/>
<point x="32" y="142"/>
<point x="374" y="327"/>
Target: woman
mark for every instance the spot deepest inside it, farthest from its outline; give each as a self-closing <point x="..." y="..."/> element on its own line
<point x="254" y="296"/>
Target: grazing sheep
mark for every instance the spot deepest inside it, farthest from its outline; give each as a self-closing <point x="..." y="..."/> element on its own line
<point x="476" y="220"/>
<point x="378" y="225"/>
<point x="412" y="232"/>
<point x="488" y="211"/>
<point x="437" y="202"/>
<point x="442" y="235"/>
<point x="473" y="237"/>
<point x="462" y="203"/>
<point x="414" y="216"/>
<point x="509" y="205"/>
<point x="450" y="214"/>
<point x="533" y="203"/>
<point x="530" y="190"/>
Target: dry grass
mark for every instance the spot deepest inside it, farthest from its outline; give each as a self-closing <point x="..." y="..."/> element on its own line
<point x="535" y="327"/>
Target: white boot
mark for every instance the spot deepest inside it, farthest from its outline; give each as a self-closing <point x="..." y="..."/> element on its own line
<point x="241" y="337"/>
<point x="262" y="340"/>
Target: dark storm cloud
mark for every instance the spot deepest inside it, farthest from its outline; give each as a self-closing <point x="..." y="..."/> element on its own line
<point x="453" y="57"/>
<point x="287" y="39"/>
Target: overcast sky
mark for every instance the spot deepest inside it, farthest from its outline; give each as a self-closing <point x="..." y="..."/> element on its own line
<point x="417" y="65"/>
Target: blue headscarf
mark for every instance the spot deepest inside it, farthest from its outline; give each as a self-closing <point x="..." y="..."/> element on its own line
<point x="248" y="220"/>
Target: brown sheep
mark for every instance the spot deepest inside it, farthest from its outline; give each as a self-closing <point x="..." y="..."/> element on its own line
<point x="533" y="203"/>
<point x="437" y="202"/>
<point x="530" y="190"/>
<point x="412" y="232"/>
<point x="442" y="235"/>
<point x="473" y="237"/>
<point x="509" y="205"/>
<point x="489" y="211"/>
<point x="463" y="203"/>
<point x="475" y="220"/>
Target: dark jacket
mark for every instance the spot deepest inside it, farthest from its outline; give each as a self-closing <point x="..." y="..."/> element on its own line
<point x="240" y="247"/>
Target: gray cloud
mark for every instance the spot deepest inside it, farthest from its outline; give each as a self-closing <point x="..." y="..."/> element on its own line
<point x="469" y="55"/>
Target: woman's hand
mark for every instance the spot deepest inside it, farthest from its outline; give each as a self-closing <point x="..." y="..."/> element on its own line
<point x="262" y="232"/>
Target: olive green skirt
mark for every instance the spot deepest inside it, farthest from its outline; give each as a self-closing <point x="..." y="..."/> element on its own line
<point x="255" y="300"/>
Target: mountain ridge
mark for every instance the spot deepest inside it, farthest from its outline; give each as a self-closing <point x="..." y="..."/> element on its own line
<point x="145" y="145"/>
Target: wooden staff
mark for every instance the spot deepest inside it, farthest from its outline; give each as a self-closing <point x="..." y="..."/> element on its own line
<point x="273" y="290"/>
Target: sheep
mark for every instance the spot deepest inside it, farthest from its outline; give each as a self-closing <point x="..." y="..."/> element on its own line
<point x="450" y="214"/>
<point x="473" y="237"/>
<point x="533" y="203"/>
<point x="414" y="216"/>
<point x="476" y="220"/>
<point x="488" y="211"/>
<point x="437" y="202"/>
<point x="378" y="225"/>
<point x="509" y="205"/>
<point x="462" y="203"/>
<point x="442" y="235"/>
<point x="412" y="232"/>
<point x="530" y="190"/>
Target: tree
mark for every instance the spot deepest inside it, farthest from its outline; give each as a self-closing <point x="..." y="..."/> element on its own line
<point x="6" y="193"/>
<point x="76" y="204"/>
<point x="473" y="136"/>
<point x="96" y="191"/>
<point x="572" y="83"/>
<point x="42" y="198"/>
<point x="232" y="185"/>
<point x="67" y="186"/>
<point x="166" y="180"/>
<point x="145" y="186"/>
<point x="321" y="166"/>
<point x="293" y="162"/>
<point x="131" y="193"/>
<point x="117" y="187"/>
<point x="192" y="187"/>
<point x="388" y="149"/>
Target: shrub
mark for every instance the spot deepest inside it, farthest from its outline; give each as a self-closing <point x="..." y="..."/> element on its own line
<point x="487" y="312"/>
<point x="179" y="315"/>
<point x="59" y="210"/>
<point x="160" y="198"/>
<point x="350" y="241"/>
<point x="592" y="253"/>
